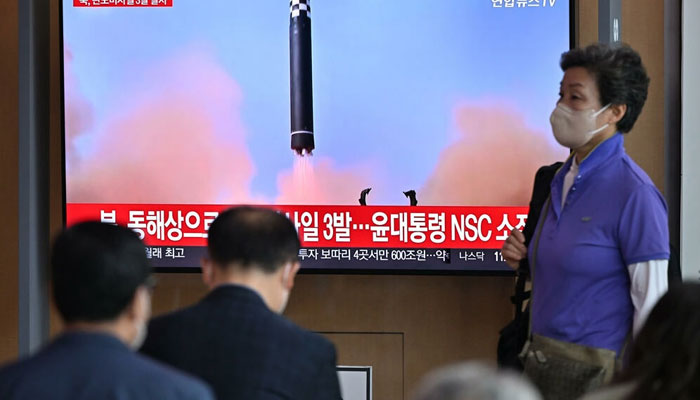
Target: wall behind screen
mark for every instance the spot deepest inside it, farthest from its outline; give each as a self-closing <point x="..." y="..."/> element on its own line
<point x="690" y="174"/>
<point x="403" y="325"/>
<point x="9" y="173"/>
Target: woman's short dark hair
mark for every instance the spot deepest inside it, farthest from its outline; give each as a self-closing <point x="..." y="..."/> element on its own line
<point x="253" y="237"/>
<point x="665" y="357"/>
<point x="95" y="271"/>
<point x="619" y="74"/>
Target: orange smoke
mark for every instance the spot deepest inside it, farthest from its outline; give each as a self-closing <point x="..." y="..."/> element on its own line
<point x="493" y="161"/>
<point x="79" y="114"/>
<point x="318" y="181"/>
<point x="177" y="137"/>
<point x="168" y="144"/>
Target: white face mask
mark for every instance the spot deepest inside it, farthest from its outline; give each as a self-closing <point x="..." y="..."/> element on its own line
<point x="574" y="129"/>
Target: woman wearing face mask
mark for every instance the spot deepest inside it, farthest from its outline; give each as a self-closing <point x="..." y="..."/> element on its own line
<point x="599" y="255"/>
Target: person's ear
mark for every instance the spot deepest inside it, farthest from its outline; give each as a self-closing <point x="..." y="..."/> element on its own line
<point x="140" y="307"/>
<point x="207" y="271"/>
<point x="617" y="112"/>
<point x="289" y="273"/>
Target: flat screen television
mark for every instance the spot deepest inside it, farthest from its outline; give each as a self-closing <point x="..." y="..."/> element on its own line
<point x="177" y="109"/>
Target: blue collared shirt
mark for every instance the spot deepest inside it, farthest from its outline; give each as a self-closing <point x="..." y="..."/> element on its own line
<point x="613" y="216"/>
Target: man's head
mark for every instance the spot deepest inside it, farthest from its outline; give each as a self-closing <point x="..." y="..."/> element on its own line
<point x="100" y="277"/>
<point x="257" y="247"/>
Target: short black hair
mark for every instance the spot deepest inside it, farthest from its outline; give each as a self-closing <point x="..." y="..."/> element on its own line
<point x="619" y="74"/>
<point x="95" y="271"/>
<point x="253" y="237"/>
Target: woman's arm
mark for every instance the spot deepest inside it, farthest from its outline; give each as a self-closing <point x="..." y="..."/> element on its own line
<point x="648" y="282"/>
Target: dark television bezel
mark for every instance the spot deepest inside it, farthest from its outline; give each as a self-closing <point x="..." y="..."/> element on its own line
<point x="302" y="271"/>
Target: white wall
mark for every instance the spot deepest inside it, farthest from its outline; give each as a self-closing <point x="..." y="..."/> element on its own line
<point x="690" y="141"/>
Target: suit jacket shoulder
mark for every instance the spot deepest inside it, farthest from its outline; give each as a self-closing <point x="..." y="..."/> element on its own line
<point x="81" y="366"/>
<point x="232" y="341"/>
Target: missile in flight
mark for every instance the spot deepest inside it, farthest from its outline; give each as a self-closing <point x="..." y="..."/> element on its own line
<point x="301" y="96"/>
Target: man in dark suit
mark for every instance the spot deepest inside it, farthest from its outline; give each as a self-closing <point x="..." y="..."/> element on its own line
<point x="100" y="280"/>
<point x="235" y="338"/>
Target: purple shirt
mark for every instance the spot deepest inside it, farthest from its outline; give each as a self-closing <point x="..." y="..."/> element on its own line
<point x="614" y="216"/>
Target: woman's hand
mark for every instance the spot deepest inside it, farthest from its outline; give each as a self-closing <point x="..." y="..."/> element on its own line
<point x="514" y="249"/>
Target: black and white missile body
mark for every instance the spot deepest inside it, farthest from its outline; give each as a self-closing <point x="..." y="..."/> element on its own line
<point x="302" y="113"/>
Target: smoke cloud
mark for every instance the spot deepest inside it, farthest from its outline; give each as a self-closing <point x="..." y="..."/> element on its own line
<point x="492" y="162"/>
<point x="318" y="181"/>
<point x="176" y="138"/>
<point x="79" y="114"/>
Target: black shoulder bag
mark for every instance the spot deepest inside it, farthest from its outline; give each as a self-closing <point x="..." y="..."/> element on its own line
<point x="513" y="336"/>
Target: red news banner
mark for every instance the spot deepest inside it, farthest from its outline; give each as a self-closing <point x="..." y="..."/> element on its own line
<point x="420" y="227"/>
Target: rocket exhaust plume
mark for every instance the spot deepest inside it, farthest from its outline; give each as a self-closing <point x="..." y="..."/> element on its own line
<point x="302" y="113"/>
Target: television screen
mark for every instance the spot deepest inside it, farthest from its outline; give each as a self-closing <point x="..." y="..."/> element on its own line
<point x="434" y="115"/>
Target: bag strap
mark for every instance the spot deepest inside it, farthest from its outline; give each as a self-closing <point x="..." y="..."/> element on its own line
<point x="538" y="233"/>
<point x="540" y="223"/>
<point x="520" y="294"/>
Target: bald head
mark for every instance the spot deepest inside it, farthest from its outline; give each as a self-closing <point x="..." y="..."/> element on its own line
<point x="253" y="237"/>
